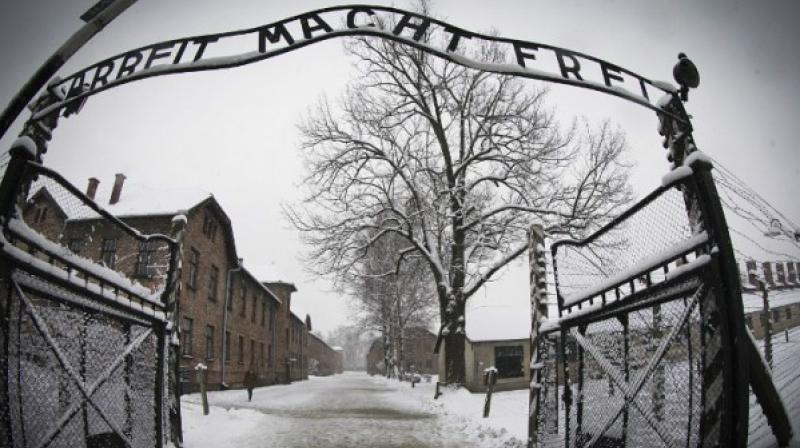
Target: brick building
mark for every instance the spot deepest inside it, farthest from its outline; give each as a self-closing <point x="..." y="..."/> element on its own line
<point x="291" y="346"/>
<point x="229" y="320"/>
<point x="418" y="354"/>
<point x="323" y="360"/>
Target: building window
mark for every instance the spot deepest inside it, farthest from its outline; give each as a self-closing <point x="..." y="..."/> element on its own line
<point x="40" y="215"/>
<point x="243" y="310"/>
<point x="75" y="245"/>
<point x="186" y="337"/>
<point x="241" y="349"/>
<point x="108" y="253"/>
<point x="788" y="312"/>
<point x="508" y="361"/>
<point x="269" y="354"/>
<point x="209" y="342"/>
<point x="227" y="356"/>
<point x="263" y="312"/>
<point x="213" y="282"/>
<point x="194" y="263"/>
<point x="253" y="313"/>
<point x="144" y="263"/>
<point x="252" y="353"/>
<point x="776" y="315"/>
<point x="209" y="227"/>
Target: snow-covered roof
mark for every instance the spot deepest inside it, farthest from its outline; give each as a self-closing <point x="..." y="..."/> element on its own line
<point x="141" y="200"/>
<point x="135" y="200"/>
<point x="252" y="276"/>
<point x="753" y="301"/>
<point x="498" y="323"/>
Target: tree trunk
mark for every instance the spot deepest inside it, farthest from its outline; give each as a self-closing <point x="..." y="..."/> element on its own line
<point x="387" y="365"/>
<point x="454" y="362"/>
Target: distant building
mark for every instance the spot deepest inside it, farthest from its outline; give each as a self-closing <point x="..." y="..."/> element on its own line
<point x="784" y="311"/>
<point x="418" y="353"/>
<point x="323" y="360"/>
<point x="499" y="337"/>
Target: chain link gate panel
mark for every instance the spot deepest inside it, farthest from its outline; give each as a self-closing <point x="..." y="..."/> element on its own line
<point x="85" y="344"/>
<point x="643" y="353"/>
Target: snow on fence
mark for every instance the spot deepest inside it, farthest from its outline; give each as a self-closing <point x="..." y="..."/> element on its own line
<point x="86" y="325"/>
<point x="635" y="355"/>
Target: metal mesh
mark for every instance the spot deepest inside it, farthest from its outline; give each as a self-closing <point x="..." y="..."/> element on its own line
<point x="638" y="239"/>
<point x="666" y="410"/>
<point x="5" y="157"/>
<point x="637" y="374"/>
<point x="85" y="318"/>
<point x="47" y="407"/>
<point x="54" y="212"/>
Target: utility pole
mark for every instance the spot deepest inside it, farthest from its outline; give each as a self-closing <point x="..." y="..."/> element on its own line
<point x="96" y="19"/>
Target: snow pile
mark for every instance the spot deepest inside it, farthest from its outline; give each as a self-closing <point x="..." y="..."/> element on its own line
<point x="222" y="428"/>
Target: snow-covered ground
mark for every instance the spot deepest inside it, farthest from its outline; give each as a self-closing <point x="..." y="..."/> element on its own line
<point x="353" y="410"/>
<point x="785" y="372"/>
<point x="356" y="410"/>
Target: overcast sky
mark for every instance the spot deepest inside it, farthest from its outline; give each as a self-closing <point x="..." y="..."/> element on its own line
<point x="233" y="132"/>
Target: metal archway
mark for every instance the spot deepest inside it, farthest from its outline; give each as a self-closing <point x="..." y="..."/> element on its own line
<point x="726" y="424"/>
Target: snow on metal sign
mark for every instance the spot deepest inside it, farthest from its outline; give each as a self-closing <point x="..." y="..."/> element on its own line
<point x="224" y="50"/>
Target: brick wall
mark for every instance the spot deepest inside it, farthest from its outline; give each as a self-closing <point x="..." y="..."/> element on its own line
<point x="322" y="359"/>
<point x="283" y="291"/>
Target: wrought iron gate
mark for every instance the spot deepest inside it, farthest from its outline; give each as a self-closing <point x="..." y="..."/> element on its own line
<point x="648" y="346"/>
<point x="84" y="349"/>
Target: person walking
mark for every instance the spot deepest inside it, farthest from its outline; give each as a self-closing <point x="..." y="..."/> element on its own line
<point x="250" y="383"/>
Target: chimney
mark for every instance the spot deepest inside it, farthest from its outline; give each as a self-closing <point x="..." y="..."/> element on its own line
<point x="117" y="191"/>
<point x="91" y="189"/>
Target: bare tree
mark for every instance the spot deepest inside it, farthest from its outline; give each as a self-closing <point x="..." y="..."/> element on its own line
<point x="454" y="162"/>
<point x="390" y="300"/>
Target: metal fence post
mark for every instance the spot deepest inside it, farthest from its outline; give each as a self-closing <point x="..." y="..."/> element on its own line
<point x="538" y="297"/>
<point x="767" y="323"/>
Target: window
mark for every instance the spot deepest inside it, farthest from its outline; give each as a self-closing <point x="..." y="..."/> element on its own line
<point x="263" y="312"/>
<point x="144" y="263"/>
<point x="508" y="361"/>
<point x="108" y="253"/>
<point x="253" y="313"/>
<point x="75" y="245"/>
<point x="186" y="337"/>
<point x="243" y="310"/>
<point x="40" y="215"/>
<point x="209" y="227"/>
<point x="241" y="349"/>
<point x="209" y="342"/>
<point x="227" y="356"/>
<point x="776" y="315"/>
<point x="788" y="312"/>
<point x="252" y="353"/>
<point x="269" y="354"/>
<point x="213" y="282"/>
<point x="194" y="263"/>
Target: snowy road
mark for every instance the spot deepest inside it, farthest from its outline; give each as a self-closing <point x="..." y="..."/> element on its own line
<point x="348" y="410"/>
